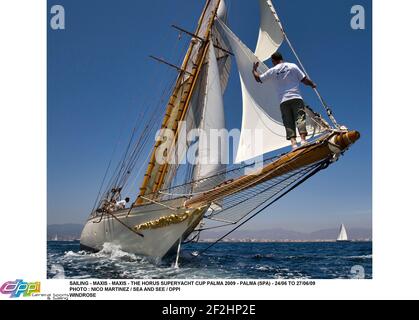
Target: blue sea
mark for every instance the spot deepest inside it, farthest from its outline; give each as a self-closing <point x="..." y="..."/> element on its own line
<point x="325" y="260"/>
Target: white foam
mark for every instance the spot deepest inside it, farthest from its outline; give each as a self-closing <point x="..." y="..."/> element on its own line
<point x="71" y="254"/>
<point x="58" y="270"/>
<point x="114" y="252"/>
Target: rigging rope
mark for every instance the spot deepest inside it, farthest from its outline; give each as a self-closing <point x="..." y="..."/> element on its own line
<point x="103" y="180"/>
<point x="125" y="225"/>
<point x="323" y="102"/>
<point x="240" y="202"/>
<point x="321" y="167"/>
<point x="252" y="182"/>
<point x="129" y="160"/>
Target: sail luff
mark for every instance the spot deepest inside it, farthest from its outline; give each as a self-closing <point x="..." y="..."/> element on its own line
<point x="151" y="169"/>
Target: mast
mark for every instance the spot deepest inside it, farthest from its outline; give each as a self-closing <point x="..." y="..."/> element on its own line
<point x="156" y="173"/>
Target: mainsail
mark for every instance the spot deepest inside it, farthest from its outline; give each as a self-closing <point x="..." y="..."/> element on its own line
<point x="343" y="235"/>
<point x="271" y="34"/>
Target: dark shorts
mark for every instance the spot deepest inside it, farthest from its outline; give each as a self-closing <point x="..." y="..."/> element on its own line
<point x="293" y="115"/>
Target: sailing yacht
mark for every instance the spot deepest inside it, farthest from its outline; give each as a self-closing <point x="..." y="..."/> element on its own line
<point x="343" y="235"/>
<point x="166" y="213"/>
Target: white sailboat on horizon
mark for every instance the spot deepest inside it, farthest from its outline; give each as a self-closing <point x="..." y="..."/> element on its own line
<point x="343" y="235"/>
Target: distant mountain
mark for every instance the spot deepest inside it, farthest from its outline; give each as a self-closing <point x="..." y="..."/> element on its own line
<point x="279" y="234"/>
<point x="270" y="234"/>
<point x="64" y="231"/>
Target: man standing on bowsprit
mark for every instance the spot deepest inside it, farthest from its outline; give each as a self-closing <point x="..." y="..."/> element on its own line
<point x="287" y="77"/>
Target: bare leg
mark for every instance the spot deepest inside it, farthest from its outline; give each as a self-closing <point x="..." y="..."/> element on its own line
<point x="294" y="143"/>
<point x="303" y="138"/>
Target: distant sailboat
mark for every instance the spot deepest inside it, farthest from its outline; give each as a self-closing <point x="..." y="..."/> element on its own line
<point x="343" y="235"/>
<point x="55" y="238"/>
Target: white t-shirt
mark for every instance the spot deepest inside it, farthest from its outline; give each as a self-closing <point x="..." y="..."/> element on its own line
<point x="121" y="204"/>
<point x="287" y="77"/>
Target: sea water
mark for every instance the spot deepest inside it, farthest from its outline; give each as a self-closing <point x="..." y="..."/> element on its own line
<point x="317" y="260"/>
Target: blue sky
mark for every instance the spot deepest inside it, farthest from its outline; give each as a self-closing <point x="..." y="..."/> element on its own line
<point x="100" y="78"/>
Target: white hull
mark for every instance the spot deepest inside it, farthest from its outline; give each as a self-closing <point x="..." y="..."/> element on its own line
<point x="155" y="243"/>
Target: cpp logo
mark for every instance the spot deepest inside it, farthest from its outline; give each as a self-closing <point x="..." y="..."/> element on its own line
<point x="20" y="287"/>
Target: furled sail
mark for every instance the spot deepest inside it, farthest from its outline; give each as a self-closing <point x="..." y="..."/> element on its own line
<point x="271" y="34"/>
<point x="213" y="138"/>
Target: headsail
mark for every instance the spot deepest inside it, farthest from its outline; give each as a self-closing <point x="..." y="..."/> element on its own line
<point x="260" y="105"/>
<point x="262" y="119"/>
<point x="271" y="34"/>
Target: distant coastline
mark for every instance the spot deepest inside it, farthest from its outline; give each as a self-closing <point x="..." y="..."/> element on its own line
<point x="250" y="241"/>
<point x="71" y="232"/>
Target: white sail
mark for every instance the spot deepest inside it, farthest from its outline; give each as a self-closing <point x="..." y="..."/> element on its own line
<point x="343" y="235"/>
<point x="271" y="34"/>
<point x="196" y="106"/>
<point x="223" y="58"/>
<point x="211" y="151"/>
<point x="222" y="11"/>
<point x="262" y="128"/>
<point x="192" y="121"/>
<point x="261" y="112"/>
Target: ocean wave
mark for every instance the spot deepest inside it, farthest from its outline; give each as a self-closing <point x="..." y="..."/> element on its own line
<point x="224" y="263"/>
<point x="367" y="256"/>
<point x="70" y="254"/>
